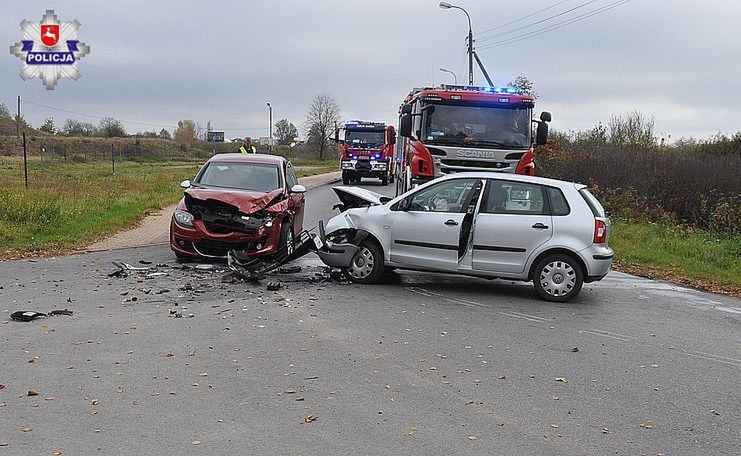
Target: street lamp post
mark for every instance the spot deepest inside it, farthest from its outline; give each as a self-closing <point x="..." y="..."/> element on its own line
<point x="455" y="78"/>
<point x="446" y="5"/>
<point x="270" y="109"/>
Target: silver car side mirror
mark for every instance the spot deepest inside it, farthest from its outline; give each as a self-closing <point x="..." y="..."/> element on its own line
<point x="185" y="184"/>
<point x="298" y="189"/>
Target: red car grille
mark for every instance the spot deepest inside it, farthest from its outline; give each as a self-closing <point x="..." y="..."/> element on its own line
<point x="208" y="247"/>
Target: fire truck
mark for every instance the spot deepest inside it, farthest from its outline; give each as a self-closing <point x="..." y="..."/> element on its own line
<point x="367" y="151"/>
<point x="455" y="128"/>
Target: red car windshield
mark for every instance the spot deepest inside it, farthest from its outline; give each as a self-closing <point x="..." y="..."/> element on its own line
<point x="243" y="176"/>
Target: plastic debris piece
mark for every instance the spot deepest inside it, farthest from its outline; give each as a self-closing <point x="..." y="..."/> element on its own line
<point x="289" y="269"/>
<point x="274" y="286"/>
<point x="61" y="312"/>
<point x="26" y="315"/>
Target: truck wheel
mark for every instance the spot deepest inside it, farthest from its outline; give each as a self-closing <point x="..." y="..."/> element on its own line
<point x="345" y="178"/>
<point x="558" y="278"/>
<point x="367" y="264"/>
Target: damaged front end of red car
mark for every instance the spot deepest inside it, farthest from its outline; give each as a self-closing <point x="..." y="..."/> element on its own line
<point x="208" y="223"/>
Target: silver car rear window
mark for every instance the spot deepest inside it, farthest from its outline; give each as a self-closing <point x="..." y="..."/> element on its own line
<point x="593" y="203"/>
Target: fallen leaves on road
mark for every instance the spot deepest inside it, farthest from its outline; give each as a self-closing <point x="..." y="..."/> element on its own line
<point x="32" y="393"/>
<point x="715" y="412"/>
<point x="607" y="431"/>
<point x="562" y="380"/>
<point x="503" y="377"/>
<point x="412" y="432"/>
<point x="311" y="418"/>
<point x="648" y="424"/>
<point x="289" y="391"/>
<point x="2" y="386"/>
<point x="472" y="437"/>
<point x="95" y="402"/>
<point x="203" y="374"/>
<point x="27" y="429"/>
<point x="195" y="442"/>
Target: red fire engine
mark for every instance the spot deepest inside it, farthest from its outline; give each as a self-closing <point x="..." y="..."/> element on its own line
<point x="367" y="151"/>
<point x="455" y="128"/>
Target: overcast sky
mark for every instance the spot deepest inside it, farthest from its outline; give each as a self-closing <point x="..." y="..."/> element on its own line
<point x="159" y="61"/>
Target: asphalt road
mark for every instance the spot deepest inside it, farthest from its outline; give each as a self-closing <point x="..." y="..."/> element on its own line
<point x="421" y="364"/>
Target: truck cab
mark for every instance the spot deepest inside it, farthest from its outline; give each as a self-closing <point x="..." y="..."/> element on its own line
<point x="453" y="128"/>
<point x="367" y="151"/>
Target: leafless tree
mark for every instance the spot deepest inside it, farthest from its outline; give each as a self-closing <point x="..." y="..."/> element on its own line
<point x="323" y="115"/>
<point x="186" y="133"/>
<point x="110" y="128"/>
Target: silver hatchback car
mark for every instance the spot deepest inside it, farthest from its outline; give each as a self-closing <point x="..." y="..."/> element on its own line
<point x="480" y="224"/>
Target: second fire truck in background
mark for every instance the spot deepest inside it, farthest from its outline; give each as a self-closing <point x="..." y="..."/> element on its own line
<point x="367" y="151"/>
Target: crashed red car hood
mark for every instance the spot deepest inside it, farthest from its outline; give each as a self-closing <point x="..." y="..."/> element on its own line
<point x="246" y="201"/>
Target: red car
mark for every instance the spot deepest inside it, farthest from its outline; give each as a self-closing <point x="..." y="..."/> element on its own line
<point x="250" y="203"/>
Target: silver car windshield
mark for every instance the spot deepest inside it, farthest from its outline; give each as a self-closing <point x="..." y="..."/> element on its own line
<point x="484" y="126"/>
<point x="243" y="176"/>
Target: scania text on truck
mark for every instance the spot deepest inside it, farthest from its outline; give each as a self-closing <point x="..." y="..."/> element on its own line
<point x="454" y="128"/>
<point x="367" y="151"/>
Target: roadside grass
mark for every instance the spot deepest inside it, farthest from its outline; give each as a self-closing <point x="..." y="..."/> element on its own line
<point x="70" y="205"/>
<point x="679" y="254"/>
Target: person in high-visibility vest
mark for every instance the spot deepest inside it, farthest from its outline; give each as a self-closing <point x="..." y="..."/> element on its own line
<point x="247" y="147"/>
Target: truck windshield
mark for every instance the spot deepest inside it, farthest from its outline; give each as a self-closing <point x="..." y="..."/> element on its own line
<point x="364" y="138"/>
<point x="477" y="126"/>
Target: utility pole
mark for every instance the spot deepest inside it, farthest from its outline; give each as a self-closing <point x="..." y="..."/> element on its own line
<point x="270" y="109"/>
<point x="25" y="160"/>
<point x="18" y="119"/>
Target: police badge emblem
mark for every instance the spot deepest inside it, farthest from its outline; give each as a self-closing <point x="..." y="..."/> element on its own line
<point x="50" y="50"/>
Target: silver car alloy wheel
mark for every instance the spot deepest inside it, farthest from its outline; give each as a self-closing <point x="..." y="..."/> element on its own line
<point x="558" y="278"/>
<point x="362" y="264"/>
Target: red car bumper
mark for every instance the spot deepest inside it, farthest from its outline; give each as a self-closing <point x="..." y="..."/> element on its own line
<point x="199" y="242"/>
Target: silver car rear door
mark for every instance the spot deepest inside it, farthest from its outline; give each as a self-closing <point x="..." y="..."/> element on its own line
<point x="513" y="221"/>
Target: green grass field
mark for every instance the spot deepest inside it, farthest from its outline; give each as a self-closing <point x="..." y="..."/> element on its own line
<point x="70" y="205"/>
<point x="679" y="254"/>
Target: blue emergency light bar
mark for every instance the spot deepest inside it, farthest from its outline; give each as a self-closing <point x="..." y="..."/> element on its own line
<point x="509" y="90"/>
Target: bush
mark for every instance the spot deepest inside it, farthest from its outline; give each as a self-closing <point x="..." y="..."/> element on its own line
<point x="653" y="183"/>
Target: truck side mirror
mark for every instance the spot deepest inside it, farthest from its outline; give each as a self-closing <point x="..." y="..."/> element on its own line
<point x="337" y="135"/>
<point x="541" y="134"/>
<point x="405" y="125"/>
<point x="545" y="116"/>
<point x="406" y="109"/>
<point x="392" y="137"/>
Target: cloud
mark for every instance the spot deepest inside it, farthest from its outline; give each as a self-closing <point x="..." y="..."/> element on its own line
<point x="162" y="61"/>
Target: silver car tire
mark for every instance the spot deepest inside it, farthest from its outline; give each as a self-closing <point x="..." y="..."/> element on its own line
<point x="558" y="278"/>
<point x="367" y="264"/>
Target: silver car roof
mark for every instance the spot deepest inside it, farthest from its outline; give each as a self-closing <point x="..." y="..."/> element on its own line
<point x="512" y="177"/>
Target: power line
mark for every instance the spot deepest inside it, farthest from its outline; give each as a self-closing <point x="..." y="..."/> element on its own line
<point x="523" y="17"/>
<point x="538" y="22"/>
<point x="555" y="26"/>
<point x="131" y="121"/>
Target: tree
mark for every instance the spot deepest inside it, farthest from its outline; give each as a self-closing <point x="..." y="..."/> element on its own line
<point x="4" y="111"/>
<point x="148" y="134"/>
<point x="285" y="132"/>
<point x="111" y="128"/>
<point x="323" y="115"/>
<point x="164" y="134"/>
<point x="76" y="128"/>
<point x="524" y="85"/>
<point x="48" y="126"/>
<point x="632" y="130"/>
<point x="186" y="132"/>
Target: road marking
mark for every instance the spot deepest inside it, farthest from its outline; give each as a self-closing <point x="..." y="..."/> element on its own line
<point x="609" y="335"/>
<point x="524" y="317"/>
<point x="716" y="358"/>
<point x="728" y="309"/>
<point x="429" y="294"/>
